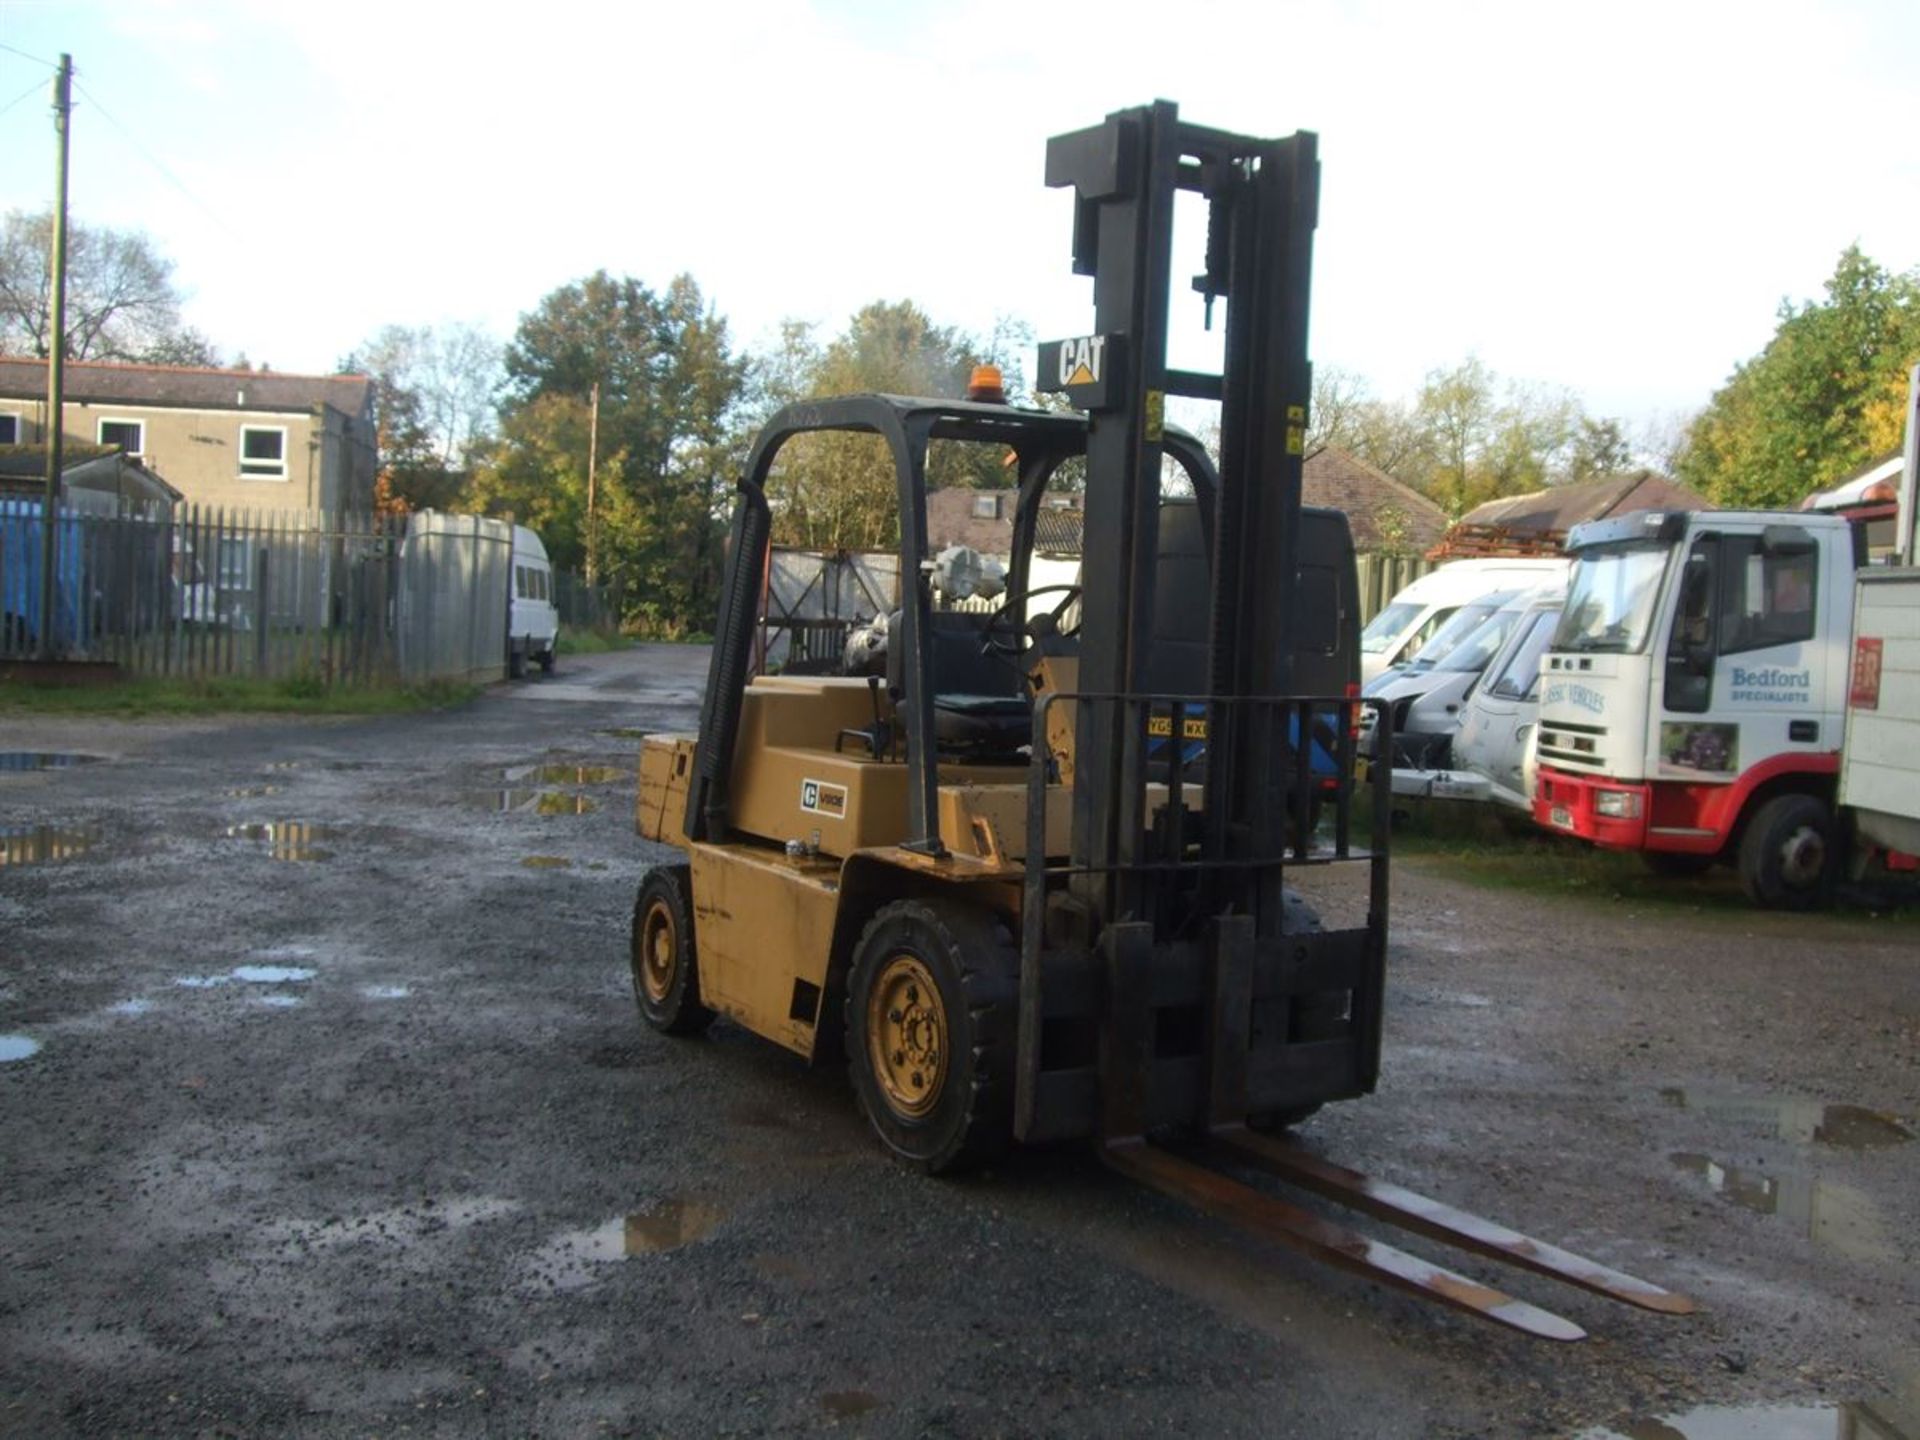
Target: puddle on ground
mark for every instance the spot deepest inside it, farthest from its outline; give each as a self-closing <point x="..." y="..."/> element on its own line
<point x="278" y="1002"/>
<point x="247" y="975"/>
<point x="385" y="992"/>
<point x="289" y="839"/>
<point x="271" y="974"/>
<point x="546" y="862"/>
<point x="17" y="1047"/>
<point x="1843" y="1127"/>
<point x="626" y="732"/>
<point x="251" y="792"/>
<point x="845" y="1404"/>
<point x="565" y="774"/>
<point x="667" y="1226"/>
<point x="130" y="1007"/>
<point x="44" y="760"/>
<point x="530" y="802"/>
<point x="1835" y="1217"/>
<point x="1879" y="1419"/>
<point x="39" y="844"/>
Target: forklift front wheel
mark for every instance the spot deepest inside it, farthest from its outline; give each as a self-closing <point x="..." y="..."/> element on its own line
<point x="666" y="983"/>
<point x="930" y="1032"/>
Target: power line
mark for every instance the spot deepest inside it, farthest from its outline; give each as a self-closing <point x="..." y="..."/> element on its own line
<point x="155" y="161"/>
<point x="33" y="89"/>
<point x="25" y="56"/>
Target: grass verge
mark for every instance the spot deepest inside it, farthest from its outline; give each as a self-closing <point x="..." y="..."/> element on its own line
<point x="296" y="695"/>
<point x="1484" y="845"/>
<point x="590" y="642"/>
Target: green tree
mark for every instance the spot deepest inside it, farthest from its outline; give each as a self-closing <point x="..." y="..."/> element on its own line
<point x="433" y="406"/>
<point x="1600" y="448"/>
<point x="1826" y="395"/>
<point x="670" y="390"/>
<point x="122" y="303"/>
<point x="836" y="491"/>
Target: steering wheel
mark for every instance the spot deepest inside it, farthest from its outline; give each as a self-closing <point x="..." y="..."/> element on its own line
<point x="1007" y="632"/>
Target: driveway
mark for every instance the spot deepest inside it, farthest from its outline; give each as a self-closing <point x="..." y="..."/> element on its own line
<point x="324" y="1111"/>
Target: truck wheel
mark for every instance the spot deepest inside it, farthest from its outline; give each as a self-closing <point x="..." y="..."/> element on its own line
<point x="546" y="661"/>
<point x="1786" y="855"/>
<point x="930" y="1021"/>
<point x="1676" y="864"/>
<point x="666" y="979"/>
<point x="516" y="660"/>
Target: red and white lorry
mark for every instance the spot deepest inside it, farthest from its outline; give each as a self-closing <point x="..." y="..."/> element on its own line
<point x="1740" y="686"/>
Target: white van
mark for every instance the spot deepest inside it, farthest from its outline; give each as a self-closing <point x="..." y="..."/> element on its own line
<point x="533" y="624"/>
<point x="1395" y="635"/>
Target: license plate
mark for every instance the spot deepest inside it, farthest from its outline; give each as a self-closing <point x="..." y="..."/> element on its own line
<point x="1562" y="817"/>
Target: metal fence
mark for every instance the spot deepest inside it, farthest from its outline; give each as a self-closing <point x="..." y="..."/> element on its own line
<point x="1384" y="576"/>
<point x="205" y="591"/>
<point x="811" y="599"/>
<point x="586" y="607"/>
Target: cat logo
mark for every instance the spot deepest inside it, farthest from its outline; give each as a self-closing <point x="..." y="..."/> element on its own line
<point x="1080" y="360"/>
<point x="1087" y="369"/>
<point x="818" y="797"/>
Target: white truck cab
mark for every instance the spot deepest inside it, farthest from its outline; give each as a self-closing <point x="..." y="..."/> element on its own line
<point x="1695" y="694"/>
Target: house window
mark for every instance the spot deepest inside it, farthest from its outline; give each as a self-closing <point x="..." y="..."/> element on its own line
<point x="127" y="435"/>
<point x="263" y="452"/>
<point x="986" y="507"/>
<point x="9" y="429"/>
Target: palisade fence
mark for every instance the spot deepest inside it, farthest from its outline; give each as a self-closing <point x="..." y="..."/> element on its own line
<point x="206" y="591"/>
<point x="1383" y="576"/>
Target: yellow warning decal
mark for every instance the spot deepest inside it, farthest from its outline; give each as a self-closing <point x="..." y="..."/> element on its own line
<point x="1156" y="414"/>
<point x="1296" y="414"/>
<point x="1159" y="727"/>
<point x="1296" y="440"/>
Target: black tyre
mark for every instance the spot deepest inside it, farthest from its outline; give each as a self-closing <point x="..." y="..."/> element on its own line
<point x="666" y="976"/>
<point x="1787" y="853"/>
<point x="546" y="661"/>
<point x="516" y="660"/>
<point x="930" y="1022"/>
<point x="1675" y="864"/>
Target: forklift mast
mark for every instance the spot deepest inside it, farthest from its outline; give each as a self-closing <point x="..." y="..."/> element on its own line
<point x="1261" y="198"/>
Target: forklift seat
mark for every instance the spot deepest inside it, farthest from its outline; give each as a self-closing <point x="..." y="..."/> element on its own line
<point x="980" y="705"/>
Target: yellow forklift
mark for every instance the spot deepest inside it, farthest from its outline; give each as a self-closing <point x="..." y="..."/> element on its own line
<point x="1029" y="872"/>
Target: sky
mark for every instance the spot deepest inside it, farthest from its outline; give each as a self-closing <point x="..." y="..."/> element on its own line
<point x="1614" y="199"/>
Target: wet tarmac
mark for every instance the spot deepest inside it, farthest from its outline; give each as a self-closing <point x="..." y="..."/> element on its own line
<point x="290" y="840"/>
<point x="25" y="760"/>
<point x="1808" y="1122"/>
<point x="41" y="844"/>
<point x="17" y="1047"/>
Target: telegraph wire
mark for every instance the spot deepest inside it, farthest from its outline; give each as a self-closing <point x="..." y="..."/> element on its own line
<point x="33" y="89"/>
<point x="25" y="56"/>
<point x="155" y="161"/>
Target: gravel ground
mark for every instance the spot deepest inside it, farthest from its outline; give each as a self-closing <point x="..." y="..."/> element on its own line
<point x="340" y="1122"/>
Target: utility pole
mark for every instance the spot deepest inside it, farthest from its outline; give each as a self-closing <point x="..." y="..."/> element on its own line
<point x="593" y="464"/>
<point x="56" y="359"/>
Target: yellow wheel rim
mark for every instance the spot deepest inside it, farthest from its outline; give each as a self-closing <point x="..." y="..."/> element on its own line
<point x="907" y="1036"/>
<point x="659" y="953"/>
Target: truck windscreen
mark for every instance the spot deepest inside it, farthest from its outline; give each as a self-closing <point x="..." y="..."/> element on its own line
<point x="1611" y="597"/>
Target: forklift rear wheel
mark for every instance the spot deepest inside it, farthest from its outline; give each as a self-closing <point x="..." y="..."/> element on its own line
<point x="930" y="1032"/>
<point x="666" y="982"/>
<point x="1787" y="853"/>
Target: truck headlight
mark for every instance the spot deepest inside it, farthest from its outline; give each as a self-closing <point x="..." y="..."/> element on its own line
<point x="1617" y="804"/>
